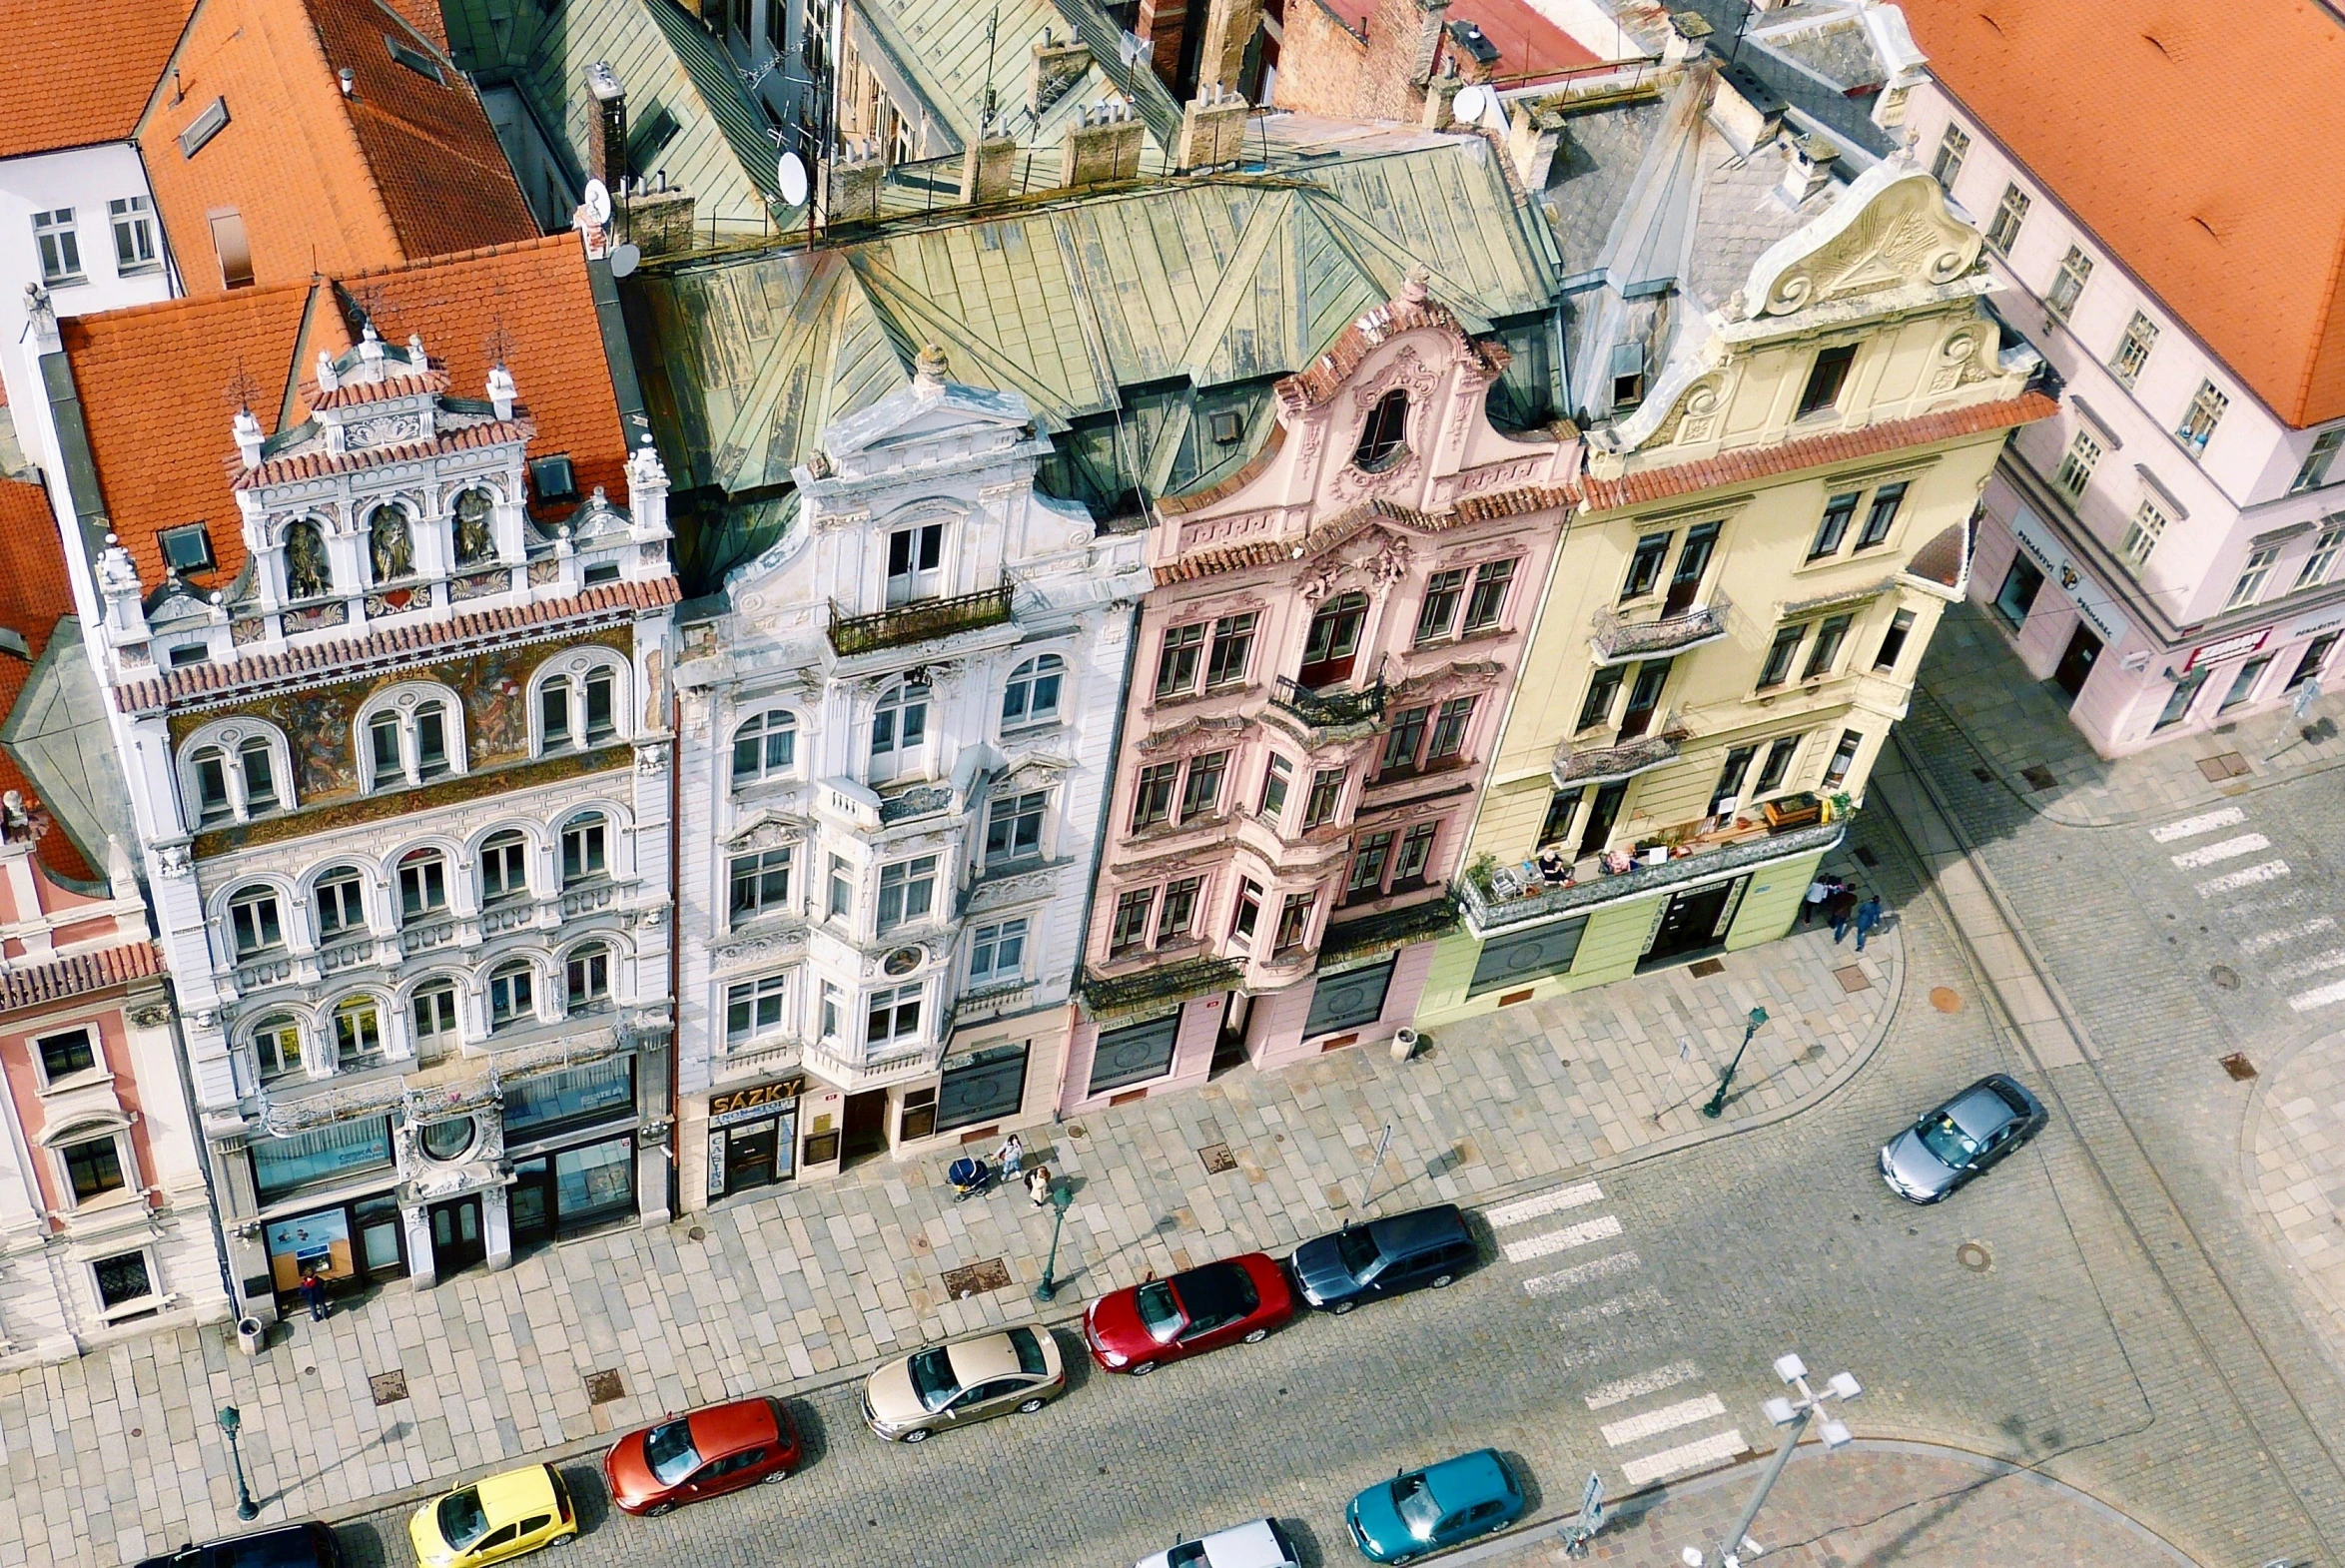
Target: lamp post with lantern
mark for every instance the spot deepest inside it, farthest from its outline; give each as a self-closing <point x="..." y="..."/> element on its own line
<point x="1791" y="1417"/>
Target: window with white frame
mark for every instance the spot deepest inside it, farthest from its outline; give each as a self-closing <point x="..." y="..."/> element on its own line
<point x="2076" y="465"/>
<point x="587" y="977"/>
<point x="1953" y="144"/>
<point x="1278" y="779"/>
<point x="65" y="1056"/>
<point x="760" y="883"/>
<point x="1032" y="695"/>
<point x="504" y="866"/>
<point x="277" y="1047"/>
<point x="93" y="1167"/>
<point x="357" y="1032"/>
<point x="431" y="1014"/>
<point x="422" y="885"/>
<point x="916" y="563"/>
<point x="907" y="891"/>
<point x="834" y="1005"/>
<point x="2199" y="420"/>
<point x="899" y="732"/>
<point x="2323" y="558"/>
<point x="585" y="848"/>
<point x="2252" y="577"/>
<point x="2134" y="349"/>
<point x="255" y="920"/>
<point x="997" y="951"/>
<point x="1013" y="826"/>
<point x="892" y="1015"/>
<point x="126" y="1284"/>
<point x="1488" y="600"/>
<point x="2075" y="271"/>
<point x="342" y="904"/>
<point x="61" y="248"/>
<point x="765" y="746"/>
<point x="2313" y="473"/>
<point x="413" y="741"/>
<point x="2141" y="534"/>
<point x="512" y="995"/>
<point x="842" y="890"/>
<point x="579" y="708"/>
<point x="133" y="218"/>
<point x="2009" y="213"/>
<point x="233" y="777"/>
<point x="755" y="1007"/>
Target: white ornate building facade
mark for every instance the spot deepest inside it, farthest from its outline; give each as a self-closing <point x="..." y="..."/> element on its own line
<point x="896" y="731"/>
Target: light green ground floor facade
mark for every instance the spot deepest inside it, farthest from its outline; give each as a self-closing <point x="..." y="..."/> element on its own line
<point x="1597" y="945"/>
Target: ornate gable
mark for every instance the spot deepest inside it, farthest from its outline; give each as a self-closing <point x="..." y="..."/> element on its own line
<point x="1890" y="230"/>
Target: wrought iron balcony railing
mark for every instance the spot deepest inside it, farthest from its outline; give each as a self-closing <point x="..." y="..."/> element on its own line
<point x="923" y="621"/>
<point x="1329" y="709"/>
<point x="1617" y="640"/>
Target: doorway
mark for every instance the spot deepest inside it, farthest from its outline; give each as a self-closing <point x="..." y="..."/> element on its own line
<point x="866" y="1129"/>
<point x="2075" y="664"/>
<point x="1644" y="697"/>
<point x="457" y="1241"/>
<point x="1601" y="816"/>
<point x="1230" y="1040"/>
<point x="1333" y="641"/>
<point x="1693" y="921"/>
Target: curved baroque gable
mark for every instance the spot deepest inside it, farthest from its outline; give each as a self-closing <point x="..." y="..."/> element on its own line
<point x="1890" y="230"/>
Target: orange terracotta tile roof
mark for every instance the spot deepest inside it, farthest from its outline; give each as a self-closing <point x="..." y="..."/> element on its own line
<point x="402" y="167"/>
<point x="1941" y="560"/>
<point x="35" y="594"/>
<point x="2236" y="222"/>
<point x="309" y="465"/>
<point x="39" y="984"/>
<point x="80" y="74"/>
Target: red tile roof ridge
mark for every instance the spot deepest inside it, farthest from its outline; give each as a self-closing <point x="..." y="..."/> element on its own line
<point x="313" y="465"/>
<point x="236" y="299"/>
<point x="78" y="974"/>
<point x="405" y="385"/>
<point x="542" y="242"/>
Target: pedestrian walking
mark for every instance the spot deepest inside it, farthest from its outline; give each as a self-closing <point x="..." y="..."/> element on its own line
<point x="1038" y="1186"/>
<point x="1011" y="1154"/>
<point x="1819" y="890"/>
<point x="1867" y="919"/>
<point x="1840" y="909"/>
<point x="313" y="1294"/>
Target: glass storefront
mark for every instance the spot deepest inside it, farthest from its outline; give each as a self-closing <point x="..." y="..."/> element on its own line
<point x="572" y="1189"/>
<point x="536" y="1108"/>
<point x="346" y="1245"/>
<point x="1353" y="998"/>
<point x="1134" y="1054"/>
<point x="982" y="1086"/>
<point x="331" y="1153"/>
<point x="1533" y="955"/>
<point x="752" y="1137"/>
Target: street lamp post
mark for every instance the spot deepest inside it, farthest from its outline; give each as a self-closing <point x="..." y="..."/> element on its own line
<point x="1062" y="1199"/>
<point x="1717" y="1106"/>
<point x="1792" y="1417"/>
<point x="230" y="1421"/>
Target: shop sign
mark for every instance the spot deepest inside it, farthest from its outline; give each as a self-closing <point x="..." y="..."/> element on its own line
<point x="2226" y="648"/>
<point x="747" y="1105"/>
<point x="2318" y="622"/>
<point x="2093" y="601"/>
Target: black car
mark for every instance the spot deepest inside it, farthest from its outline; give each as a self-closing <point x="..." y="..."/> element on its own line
<point x="1337" y="1271"/>
<point x="1949" y="1145"/>
<point x="307" y="1545"/>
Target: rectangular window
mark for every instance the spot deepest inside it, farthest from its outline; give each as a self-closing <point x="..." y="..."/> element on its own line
<point x="892" y="1015"/>
<point x="1644" y="572"/>
<point x="1892" y="642"/>
<point x="2315" y="470"/>
<point x="1442" y="592"/>
<point x="754" y="1008"/>
<point x="1180" y="910"/>
<point x="1778" y="667"/>
<point x="134" y="232"/>
<point x="915" y="564"/>
<point x="1202" y="795"/>
<point x="1844" y="758"/>
<point x="504" y="869"/>
<point x="1152" y="801"/>
<point x="1417" y="850"/>
<point x="259" y="776"/>
<point x="1947" y="167"/>
<point x="832" y="1003"/>
<point x="1826" y="377"/>
<point x="1233" y="641"/>
<point x="511" y="996"/>
<point x="358" y="1028"/>
<point x="94" y="1167"/>
<point x="1275" y="779"/>
<point x="432" y="1010"/>
<point x="1778" y="765"/>
<point x="1881" y="514"/>
<point x="583" y="850"/>
<point x="188" y="547"/>
<point x="2134" y="349"/>
<point x="996" y="953"/>
<point x="1489" y="598"/>
<point x="2009" y="213"/>
<point x="1367" y="865"/>
<point x="1132" y="921"/>
<point x="2205" y="412"/>
<point x="2141" y="534"/>
<point x="553" y="713"/>
<point x="2249" y="588"/>
<point x="1603" y="687"/>
<point x="1405" y="738"/>
<point x="2323" y="557"/>
<point x="1013" y="826"/>
<point x="761" y="883"/>
<point x="1562" y="806"/>
<point x="253" y="917"/>
<point x="422" y="886"/>
<point x="1248" y="912"/>
<point x="63" y="1055"/>
<point x="1728" y="795"/>
<point x="1176" y="662"/>
<point x="1327" y="798"/>
<point x="2244" y="684"/>
<point x="233" y="250"/>
<point x="211" y="804"/>
<point x="586" y="977"/>
<point x="61" y="249"/>
<point x="1294" y="923"/>
<point x="602" y="721"/>
<point x="1450" y="735"/>
<point x="1828" y="646"/>
<point x="2178" y="701"/>
<point x="907" y="890"/>
<point x="2076" y="465"/>
<point x="341" y="907"/>
<point x="2017" y="596"/>
<point x="2308" y="668"/>
<point x="384" y="740"/>
<point x="1833" y="526"/>
<point x="2075" y="271"/>
<point x="841" y="900"/>
<point x="430" y="740"/>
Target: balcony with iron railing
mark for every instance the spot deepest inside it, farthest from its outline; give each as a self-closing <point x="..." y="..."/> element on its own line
<point x="923" y="621"/>
<point x="1331" y="709"/>
<point x="1495" y="899"/>
<point x="1616" y="641"/>
<point x="1622" y="760"/>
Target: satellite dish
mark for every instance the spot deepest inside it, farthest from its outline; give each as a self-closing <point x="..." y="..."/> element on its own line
<point x="792" y="171"/>
<point x="1472" y="103"/>
<point x="624" y="258"/>
<point x="597" y="201"/>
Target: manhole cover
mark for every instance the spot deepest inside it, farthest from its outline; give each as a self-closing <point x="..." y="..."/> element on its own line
<point x="2040" y="777"/>
<point x="976" y="1278"/>
<point x="2228" y="765"/>
<point x="1974" y="1256"/>
<point x="2225" y="977"/>
<point x="1866" y="857"/>
<point x="1852" y="979"/>
<point x="1946" y="999"/>
<point x="1074" y="1130"/>
<point x="1703" y="969"/>
<point x="1983" y="775"/>
<point x="1217" y="1159"/>
<point x="389" y="1387"/>
<point x="2238" y="1065"/>
<point x="604" y="1387"/>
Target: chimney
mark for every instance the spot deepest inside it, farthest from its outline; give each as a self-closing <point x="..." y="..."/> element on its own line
<point x="1744" y="108"/>
<point x="1164" y="24"/>
<point x="501" y="390"/>
<point x="851" y="184"/>
<point x="1058" y="66"/>
<point x="1472" y="52"/>
<point x="929" y="370"/>
<point x="1810" y="168"/>
<point x="248" y="438"/>
<point x="606" y="128"/>
<point x="1441" y="98"/>
<point x="1531" y="142"/>
<point x="1229" y="28"/>
<point x="1102" y="144"/>
<point x="1687" y="30"/>
<point x="988" y="169"/>
<point x="1431" y="14"/>
<point x="1213" y="129"/>
<point x="349" y="81"/>
<point x="659" y="217"/>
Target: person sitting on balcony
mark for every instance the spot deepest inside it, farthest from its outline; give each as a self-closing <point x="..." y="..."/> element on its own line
<point x="1553" y="866"/>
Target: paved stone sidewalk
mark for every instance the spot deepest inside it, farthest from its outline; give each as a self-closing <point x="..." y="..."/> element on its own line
<point x="2020" y="727"/>
<point x="115" y="1455"/>
<point x="2296" y="1155"/>
<point x="1869" y="1506"/>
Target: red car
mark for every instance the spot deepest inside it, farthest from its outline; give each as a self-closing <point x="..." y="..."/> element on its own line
<point x="701" y="1454"/>
<point x="1238" y="1299"/>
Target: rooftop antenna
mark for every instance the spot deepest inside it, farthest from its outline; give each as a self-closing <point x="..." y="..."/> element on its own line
<point x="985" y="116"/>
<point x="1742" y="25"/>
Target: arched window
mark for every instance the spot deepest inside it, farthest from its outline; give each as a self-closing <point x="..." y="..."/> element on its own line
<point x="585" y="848"/>
<point x="422" y="885"/>
<point x="505" y="867"/>
<point x="765" y="747"/>
<point x="255" y="920"/>
<point x="432" y="1009"/>
<point x="357" y="1032"/>
<point x="512" y="995"/>
<point x="232" y="778"/>
<point x="308" y="572"/>
<point x="899" y="731"/>
<point x="1385" y="433"/>
<point x="1032" y="697"/>
<point x="476" y="536"/>
<point x="390" y="543"/>
<point x="342" y="904"/>
<point x="277" y="1047"/>
<point x="578" y="707"/>
<point x="412" y="738"/>
<point x="587" y="977"/>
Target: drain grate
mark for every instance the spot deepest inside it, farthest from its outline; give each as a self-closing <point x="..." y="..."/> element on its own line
<point x="2040" y="777"/>
<point x="1703" y="969"/>
<point x="604" y="1387"/>
<point x="1217" y="1159"/>
<point x="2238" y="1065"/>
<point x="977" y="1279"/>
<point x="389" y="1387"/>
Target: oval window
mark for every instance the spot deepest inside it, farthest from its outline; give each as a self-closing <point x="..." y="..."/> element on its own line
<point x="446" y="1140"/>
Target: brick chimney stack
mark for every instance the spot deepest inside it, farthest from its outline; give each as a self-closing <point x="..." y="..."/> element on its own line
<point x="606" y="129"/>
<point x="1230" y="27"/>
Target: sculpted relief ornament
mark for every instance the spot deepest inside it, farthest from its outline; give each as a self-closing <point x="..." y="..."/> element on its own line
<point x="1890" y="230"/>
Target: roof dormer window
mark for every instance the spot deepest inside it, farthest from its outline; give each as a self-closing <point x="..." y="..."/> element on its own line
<point x="1384" y="434"/>
<point x="186" y="548"/>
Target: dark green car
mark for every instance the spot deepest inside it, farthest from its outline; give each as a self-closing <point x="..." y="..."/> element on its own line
<point x="1420" y="1511"/>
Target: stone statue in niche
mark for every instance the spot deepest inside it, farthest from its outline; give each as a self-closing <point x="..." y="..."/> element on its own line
<point x="393" y="545"/>
<point x="476" y="540"/>
<point x="307" y="575"/>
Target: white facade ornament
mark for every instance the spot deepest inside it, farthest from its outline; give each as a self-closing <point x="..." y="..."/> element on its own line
<point x="329" y="378"/>
<point x="248" y="439"/>
<point x="501" y="390"/>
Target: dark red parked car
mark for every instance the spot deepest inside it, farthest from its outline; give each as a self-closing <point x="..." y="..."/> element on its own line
<point x="702" y="1454"/>
<point x="1238" y="1299"/>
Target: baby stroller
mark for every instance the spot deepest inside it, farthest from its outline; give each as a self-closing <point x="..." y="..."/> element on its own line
<point x="968" y="1177"/>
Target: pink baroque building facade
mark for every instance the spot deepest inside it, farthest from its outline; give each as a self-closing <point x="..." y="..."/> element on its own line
<point x="1320" y="675"/>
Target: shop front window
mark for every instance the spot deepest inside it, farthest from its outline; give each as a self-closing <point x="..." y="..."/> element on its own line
<point x="601" y="1092"/>
<point x="334" y="1152"/>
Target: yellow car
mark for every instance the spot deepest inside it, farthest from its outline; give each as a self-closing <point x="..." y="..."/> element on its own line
<point x="491" y="1520"/>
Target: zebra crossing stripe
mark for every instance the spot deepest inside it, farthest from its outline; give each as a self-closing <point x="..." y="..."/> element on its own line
<point x="1652" y="1423"/>
<point x="2318" y="964"/>
<point x="1617" y="1306"/>
<point x="1601" y="1268"/>
<point x="2269" y="871"/>
<point x="1540" y="1203"/>
<point x="2228" y="849"/>
<point x="1602" y="1227"/>
<point x="1643" y="1383"/>
<point x="1686" y="1456"/>
<point x="2191" y="827"/>
<point x="2263" y="940"/>
<point x="2306" y="1001"/>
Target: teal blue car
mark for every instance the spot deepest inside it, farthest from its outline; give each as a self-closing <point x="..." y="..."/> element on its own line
<point x="1420" y="1511"/>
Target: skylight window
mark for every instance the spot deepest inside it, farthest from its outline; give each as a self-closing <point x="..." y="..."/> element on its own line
<point x="414" y="59"/>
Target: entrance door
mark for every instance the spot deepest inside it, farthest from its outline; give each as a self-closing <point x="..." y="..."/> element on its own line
<point x="1601" y="817"/>
<point x="1230" y="1040"/>
<point x="867" y="1126"/>
<point x="750" y="1155"/>
<point x="1692" y="563"/>
<point x="2076" y="664"/>
<point x="1695" y="920"/>
<point x="455" y="1235"/>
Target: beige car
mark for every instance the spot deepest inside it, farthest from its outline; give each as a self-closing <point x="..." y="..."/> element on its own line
<point x="961" y="1382"/>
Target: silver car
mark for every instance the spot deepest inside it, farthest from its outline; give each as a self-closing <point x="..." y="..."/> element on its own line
<point x="1256" y="1544"/>
<point x="1949" y="1145"/>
